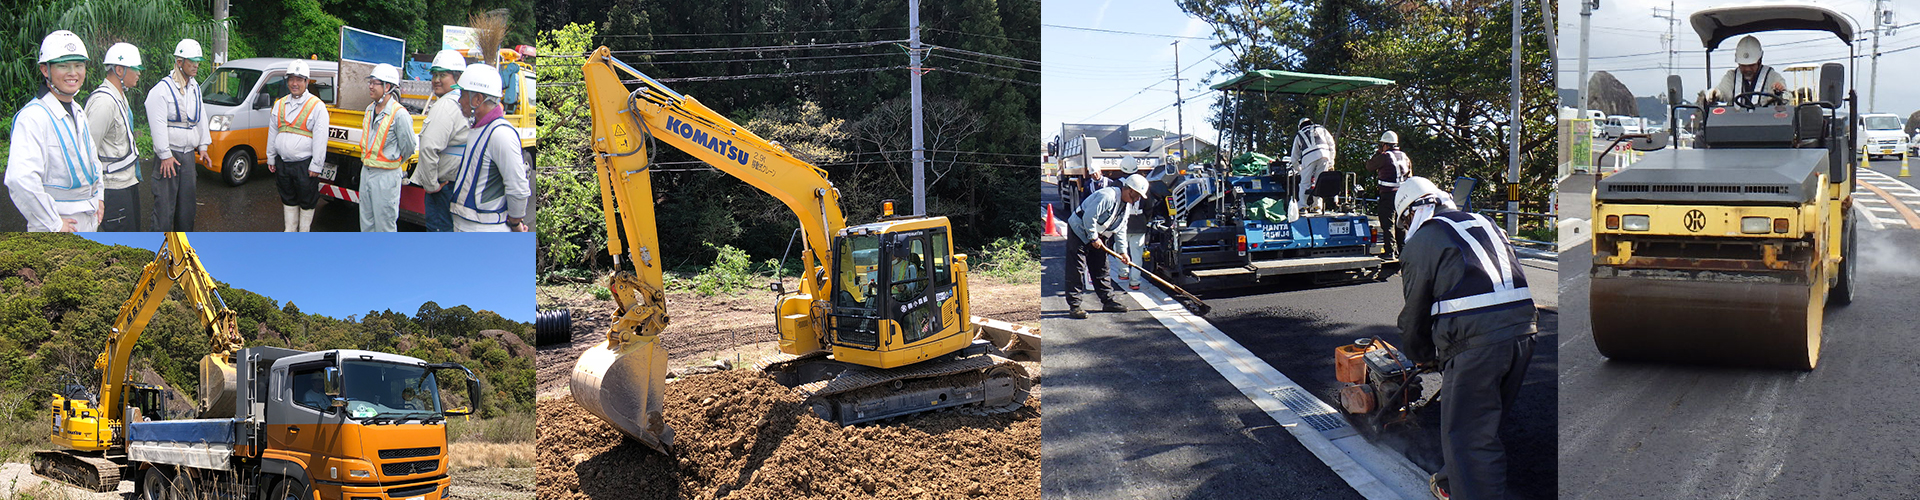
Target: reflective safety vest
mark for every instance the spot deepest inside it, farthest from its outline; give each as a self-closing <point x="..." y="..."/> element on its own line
<point x="131" y="145"/>
<point x="1493" y="279"/>
<point x="1402" y="169"/>
<point x="297" y="126"/>
<point x="82" y="170"/>
<point x="373" y="144"/>
<point x="480" y="194"/>
<point x="179" y="119"/>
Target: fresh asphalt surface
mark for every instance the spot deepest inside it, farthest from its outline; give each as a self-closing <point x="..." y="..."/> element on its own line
<point x="1135" y="413"/>
<point x="1844" y="430"/>
<point x="254" y="206"/>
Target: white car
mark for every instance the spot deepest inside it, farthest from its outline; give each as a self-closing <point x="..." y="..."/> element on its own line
<point x="1618" y="125"/>
<point x="1883" y="134"/>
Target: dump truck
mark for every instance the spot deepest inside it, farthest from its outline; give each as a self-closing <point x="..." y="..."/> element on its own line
<point x="274" y="423"/>
<point x="1728" y="253"/>
<point x="1088" y="150"/>
<point x="239" y="96"/>
<point x="1229" y="223"/>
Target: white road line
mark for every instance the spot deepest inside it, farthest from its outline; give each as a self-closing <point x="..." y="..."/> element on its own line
<point x="1872" y="220"/>
<point x="1374" y="472"/>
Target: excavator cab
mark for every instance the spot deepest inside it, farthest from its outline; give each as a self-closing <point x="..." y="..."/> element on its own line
<point x="150" y="401"/>
<point x="894" y="294"/>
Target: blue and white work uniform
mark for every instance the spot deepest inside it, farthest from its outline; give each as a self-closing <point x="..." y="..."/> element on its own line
<point x="493" y="185"/>
<point x="53" y="166"/>
<point x="177" y="120"/>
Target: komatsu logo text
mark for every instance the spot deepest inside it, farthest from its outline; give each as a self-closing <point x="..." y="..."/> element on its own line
<point x="714" y="142"/>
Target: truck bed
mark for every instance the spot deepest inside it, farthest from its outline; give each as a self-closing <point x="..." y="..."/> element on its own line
<point x="201" y="443"/>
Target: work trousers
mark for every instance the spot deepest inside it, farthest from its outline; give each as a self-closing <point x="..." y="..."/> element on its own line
<point x="440" y="209"/>
<point x="1389" y="232"/>
<point x="123" y="210"/>
<point x="1084" y="258"/>
<point x="380" y="198"/>
<point x="297" y="188"/>
<point x="173" y="198"/>
<point x="1478" y="388"/>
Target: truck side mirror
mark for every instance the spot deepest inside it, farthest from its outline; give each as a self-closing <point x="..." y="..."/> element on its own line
<point x="1673" y="90"/>
<point x="1832" y="77"/>
<point x="330" y="381"/>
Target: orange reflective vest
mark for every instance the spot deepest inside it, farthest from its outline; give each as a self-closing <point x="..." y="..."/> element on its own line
<point x="373" y="144"/>
<point x="298" y="125"/>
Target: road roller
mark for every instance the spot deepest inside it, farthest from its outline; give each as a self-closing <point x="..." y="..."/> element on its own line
<point x="1728" y="253"/>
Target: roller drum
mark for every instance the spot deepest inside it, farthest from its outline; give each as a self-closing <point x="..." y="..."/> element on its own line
<point x="1771" y="325"/>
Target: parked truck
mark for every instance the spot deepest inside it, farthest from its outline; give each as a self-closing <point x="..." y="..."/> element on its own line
<point x="274" y="423"/>
<point x="239" y="96"/>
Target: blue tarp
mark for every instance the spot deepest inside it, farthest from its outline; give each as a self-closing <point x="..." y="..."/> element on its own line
<point x="371" y="48"/>
<point x="419" y="70"/>
<point x="213" y="430"/>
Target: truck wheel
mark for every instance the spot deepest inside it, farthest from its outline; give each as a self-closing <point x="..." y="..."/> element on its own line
<point x="154" y="485"/>
<point x="1842" y="293"/>
<point x="290" y="489"/>
<point x="237" y="166"/>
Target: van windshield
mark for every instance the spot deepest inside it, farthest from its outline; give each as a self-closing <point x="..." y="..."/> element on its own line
<point x="228" y="86"/>
<point x="1881" y="122"/>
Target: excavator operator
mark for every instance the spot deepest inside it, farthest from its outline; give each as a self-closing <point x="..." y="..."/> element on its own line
<point x="1469" y="312"/>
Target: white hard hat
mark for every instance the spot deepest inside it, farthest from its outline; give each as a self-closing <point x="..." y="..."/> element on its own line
<point x="1137" y="183"/>
<point x="1129" y="165"/>
<point x="482" y="79"/>
<point x="1389" y="137"/>
<point x="1421" y="191"/>
<point x="385" y="73"/>
<point x="123" y="54"/>
<point x="449" y="60"/>
<point x="62" y="46"/>
<point x="1304" y="122"/>
<point x="1748" y="51"/>
<point x="188" y="49"/>
<point x="300" y="68"/>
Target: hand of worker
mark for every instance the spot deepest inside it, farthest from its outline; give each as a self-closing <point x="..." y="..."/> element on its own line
<point x="68" y="225"/>
<point x="517" y="225"/>
<point x="1097" y="244"/>
<point x="166" y="167"/>
<point x="271" y="169"/>
<point x="202" y="156"/>
<point x="1779" y="88"/>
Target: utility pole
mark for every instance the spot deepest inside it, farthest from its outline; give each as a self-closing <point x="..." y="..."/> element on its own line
<point x="1880" y="18"/>
<point x="1586" y="32"/>
<point x="1513" y="128"/>
<point x="919" y="152"/>
<point x="1179" y="114"/>
<point x="220" y="33"/>
<point x="1668" y="39"/>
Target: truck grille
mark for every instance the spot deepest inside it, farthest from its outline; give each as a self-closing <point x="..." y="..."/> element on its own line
<point x="410" y="468"/>
<point x="409" y="453"/>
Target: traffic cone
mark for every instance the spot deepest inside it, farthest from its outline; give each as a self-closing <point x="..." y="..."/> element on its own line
<point x="1051" y="231"/>
<point x="1903" y="164"/>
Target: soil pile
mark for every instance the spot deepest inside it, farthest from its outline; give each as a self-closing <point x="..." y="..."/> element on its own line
<point x="739" y="435"/>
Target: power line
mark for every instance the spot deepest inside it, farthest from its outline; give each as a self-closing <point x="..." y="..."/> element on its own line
<point x="723" y="50"/>
<point x="962" y="33"/>
<point x="931" y="47"/>
<point x="738" y="77"/>
<point x="1136" y="33"/>
<point x="1008" y="80"/>
<point x="944" y="56"/>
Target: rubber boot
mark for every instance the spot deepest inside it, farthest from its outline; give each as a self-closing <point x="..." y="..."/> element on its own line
<point x="291" y="217"/>
<point x="1074" y="311"/>
<point x="306" y="220"/>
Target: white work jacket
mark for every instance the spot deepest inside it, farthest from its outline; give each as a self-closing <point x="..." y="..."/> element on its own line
<point x="493" y="185"/>
<point x="443" y="142"/>
<point x="293" y="147"/>
<point x="53" y="167"/>
<point x="112" y="123"/>
<point x="177" y="117"/>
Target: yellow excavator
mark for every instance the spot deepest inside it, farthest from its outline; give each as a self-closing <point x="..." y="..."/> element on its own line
<point x="879" y="326"/>
<point x="87" y="431"/>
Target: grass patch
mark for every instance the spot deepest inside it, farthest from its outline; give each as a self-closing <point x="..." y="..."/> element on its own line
<point x="1010" y="259"/>
<point x="509" y="428"/>
<point x="476" y="455"/>
<point x="19" y="438"/>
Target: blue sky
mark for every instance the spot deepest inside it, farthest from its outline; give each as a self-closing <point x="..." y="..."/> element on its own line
<point x="1111" y="78"/>
<point x="341" y="274"/>
<point x="1626" y="41"/>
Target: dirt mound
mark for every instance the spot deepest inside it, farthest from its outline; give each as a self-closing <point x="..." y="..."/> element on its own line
<point x="515" y="346"/>
<point x="739" y="435"/>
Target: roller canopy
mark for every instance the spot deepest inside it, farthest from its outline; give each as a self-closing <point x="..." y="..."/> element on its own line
<point x="1719" y="24"/>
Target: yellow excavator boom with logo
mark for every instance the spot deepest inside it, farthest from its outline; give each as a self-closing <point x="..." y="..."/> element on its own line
<point x="879" y="326"/>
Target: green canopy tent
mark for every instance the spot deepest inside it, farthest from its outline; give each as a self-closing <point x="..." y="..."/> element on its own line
<point x="1273" y="81"/>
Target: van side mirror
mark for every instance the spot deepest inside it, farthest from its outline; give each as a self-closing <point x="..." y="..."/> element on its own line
<point x="1673" y="90"/>
<point x="262" y="100"/>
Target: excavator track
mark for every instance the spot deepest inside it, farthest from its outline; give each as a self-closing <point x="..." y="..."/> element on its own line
<point x="849" y="394"/>
<point x="91" y="471"/>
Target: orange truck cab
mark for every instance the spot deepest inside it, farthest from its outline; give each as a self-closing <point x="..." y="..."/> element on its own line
<point x="338" y="424"/>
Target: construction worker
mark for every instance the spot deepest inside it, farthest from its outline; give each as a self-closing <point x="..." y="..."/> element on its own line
<point x="292" y="147"/>
<point x="1749" y="76"/>
<point x="386" y="141"/>
<point x="53" y="169"/>
<point x="111" y="117"/>
<point x="490" y="194"/>
<point x="1468" y="311"/>
<point x="1390" y="167"/>
<point x="1133" y="228"/>
<point x="1313" y="152"/>
<point x="443" y="140"/>
<point x="177" y="119"/>
<point x="1100" y="217"/>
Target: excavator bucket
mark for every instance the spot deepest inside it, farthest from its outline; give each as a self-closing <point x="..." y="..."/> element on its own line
<point x="216" y="387"/>
<point x="626" y="387"/>
<point x="1771" y="325"/>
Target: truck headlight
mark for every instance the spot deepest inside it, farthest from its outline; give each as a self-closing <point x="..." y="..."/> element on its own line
<point x="1636" y="223"/>
<point x="220" y="123"/>
<point x="1756" y="225"/>
<point x="360" y="473"/>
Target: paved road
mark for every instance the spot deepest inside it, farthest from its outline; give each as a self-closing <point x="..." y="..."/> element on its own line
<point x="251" y="207"/>
<point x="1845" y="430"/>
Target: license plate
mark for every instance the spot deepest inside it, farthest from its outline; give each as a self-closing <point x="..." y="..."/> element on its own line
<point x="421" y="497"/>
<point x="328" y="171"/>
<point x="1340" y="228"/>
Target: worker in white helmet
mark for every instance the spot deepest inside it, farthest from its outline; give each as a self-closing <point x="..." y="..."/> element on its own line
<point x="1313" y="152"/>
<point x="1469" y="313"/>
<point x="110" y="116"/>
<point x="1100" y="218"/>
<point x="53" y="167"/>
<point x="386" y="142"/>
<point x="1133" y="226"/>
<point x="1749" y="76"/>
<point x="443" y="141"/>
<point x="491" y="192"/>
<point x="1390" y="167"/>
<point x="297" y="148"/>
<point x="176" y="118"/>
